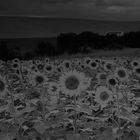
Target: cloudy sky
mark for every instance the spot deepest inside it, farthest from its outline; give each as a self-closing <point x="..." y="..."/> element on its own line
<point x="85" y="9"/>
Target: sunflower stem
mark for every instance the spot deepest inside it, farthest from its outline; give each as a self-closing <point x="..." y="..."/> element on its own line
<point x="13" y="111"/>
<point x="118" y="111"/>
<point x="21" y="78"/>
<point x="43" y="105"/>
<point x="75" y="118"/>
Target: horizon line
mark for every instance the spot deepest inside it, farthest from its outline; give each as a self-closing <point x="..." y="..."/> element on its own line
<point x="43" y="17"/>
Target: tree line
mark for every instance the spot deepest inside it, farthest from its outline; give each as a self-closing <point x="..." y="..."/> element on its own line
<point x="72" y="43"/>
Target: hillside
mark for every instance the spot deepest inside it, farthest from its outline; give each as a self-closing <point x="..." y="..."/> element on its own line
<point x="34" y="27"/>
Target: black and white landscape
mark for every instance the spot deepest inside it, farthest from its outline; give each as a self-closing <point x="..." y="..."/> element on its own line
<point x="69" y="70"/>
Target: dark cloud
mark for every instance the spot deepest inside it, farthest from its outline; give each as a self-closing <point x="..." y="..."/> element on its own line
<point x="120" y="3"/>
<point x="90" y="9"/>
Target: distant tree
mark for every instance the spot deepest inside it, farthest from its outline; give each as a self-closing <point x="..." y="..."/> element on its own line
<point x="131" y="39"/>
<point x="91" y="40"/>
<point x="5" y="52"/>
<point x="85" y="41"/>
<point x="29" y="55"/>
<point x="112" y="42"/>
<point x="87" y="38"/>
<point x="68" y="43"/>
<point x="44" y="49"/>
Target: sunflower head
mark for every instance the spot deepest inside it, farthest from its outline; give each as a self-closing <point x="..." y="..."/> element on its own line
<point x="103" y="95"/>
<point x="134" y="63"/>
<point x="67" y="64"/>
<point x="16" y="60"/>
<point x="53" y="88"/>
<point x="109" y="66"/>
<point x="121" y="74"/>
<point x="87" y="60"/>
<point x="49" y="68"/>
<point x="136" y="71"/>
<point x="73" y="82"/>
<point x="112" y="81"/>
<point x="102" y="77"/>
<point x="37" y="78"/>
<point x="46" y="60"/>
<point x="93" y="64"/>
<point x="15" y="64"/>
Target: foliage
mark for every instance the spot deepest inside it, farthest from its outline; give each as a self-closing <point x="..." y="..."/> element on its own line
<point x="72" y="100"/>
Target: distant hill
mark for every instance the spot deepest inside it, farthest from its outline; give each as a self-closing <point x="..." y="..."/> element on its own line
<point x="34" y="27"/>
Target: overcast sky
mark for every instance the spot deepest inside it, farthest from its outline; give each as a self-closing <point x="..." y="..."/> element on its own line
<point x="85" y="9"/>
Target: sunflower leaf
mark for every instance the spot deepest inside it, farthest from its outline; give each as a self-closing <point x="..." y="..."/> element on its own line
<point x="74" y="137"/>
<point x="40" y="127"/>
<point x="127" y="115"/>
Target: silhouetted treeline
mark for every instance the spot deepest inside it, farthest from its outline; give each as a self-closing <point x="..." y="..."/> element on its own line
<point x="72" y="43"/>
<point x="87" y="41"/>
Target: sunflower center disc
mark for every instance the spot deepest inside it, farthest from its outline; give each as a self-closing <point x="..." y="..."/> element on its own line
<point x="121" y="73"/>
<point x="112" y="82"/>
<point x="39" y="79"/>
<point x="104" y="96"/>
<point x="72" y="83"/>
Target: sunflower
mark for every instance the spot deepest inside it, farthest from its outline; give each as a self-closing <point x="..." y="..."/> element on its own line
<point x="16" y="60"/>
<point x="112" y="81"/>
<point x="33" y="68"/>
<point x="38" y="61"/>
<point x="103" y="95"/>
<point x="30" y="65"/>
<point x="15" y="64"/>
<point x="37" y="78"/>
<point x="136" y="71"/>
<point x="53" y="88"/>
<point x="109" y="66"/>
<point x="73" y="82"/>
<point x="122" y="74"/>
<point x="67" y="65"/>
<point x="49" y="68"/>
<point x="134" y="63"/>
<point x="101" y="78"/>
<point x="93" y="65"/>
<point x="40" y="67"/>
<point x="46" y="60"/>
<point x="58" y="69"/>
<point x="3" y="86"/>
<point x="87" y="60"/>
<point x="76" y="61"/>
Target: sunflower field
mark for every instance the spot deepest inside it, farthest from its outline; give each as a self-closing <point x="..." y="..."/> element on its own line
<point x="88" y="98"/>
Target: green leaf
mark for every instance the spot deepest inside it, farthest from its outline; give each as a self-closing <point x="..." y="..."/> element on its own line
<point x="40" y="127"/>
<point x="106" y="135"/>
<point x="127" y="115"/>
<point x="22" y="138"/>
<point x="136" y="129"/>
<point x="9" y="136"/>
<point x="74" y="137"/>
